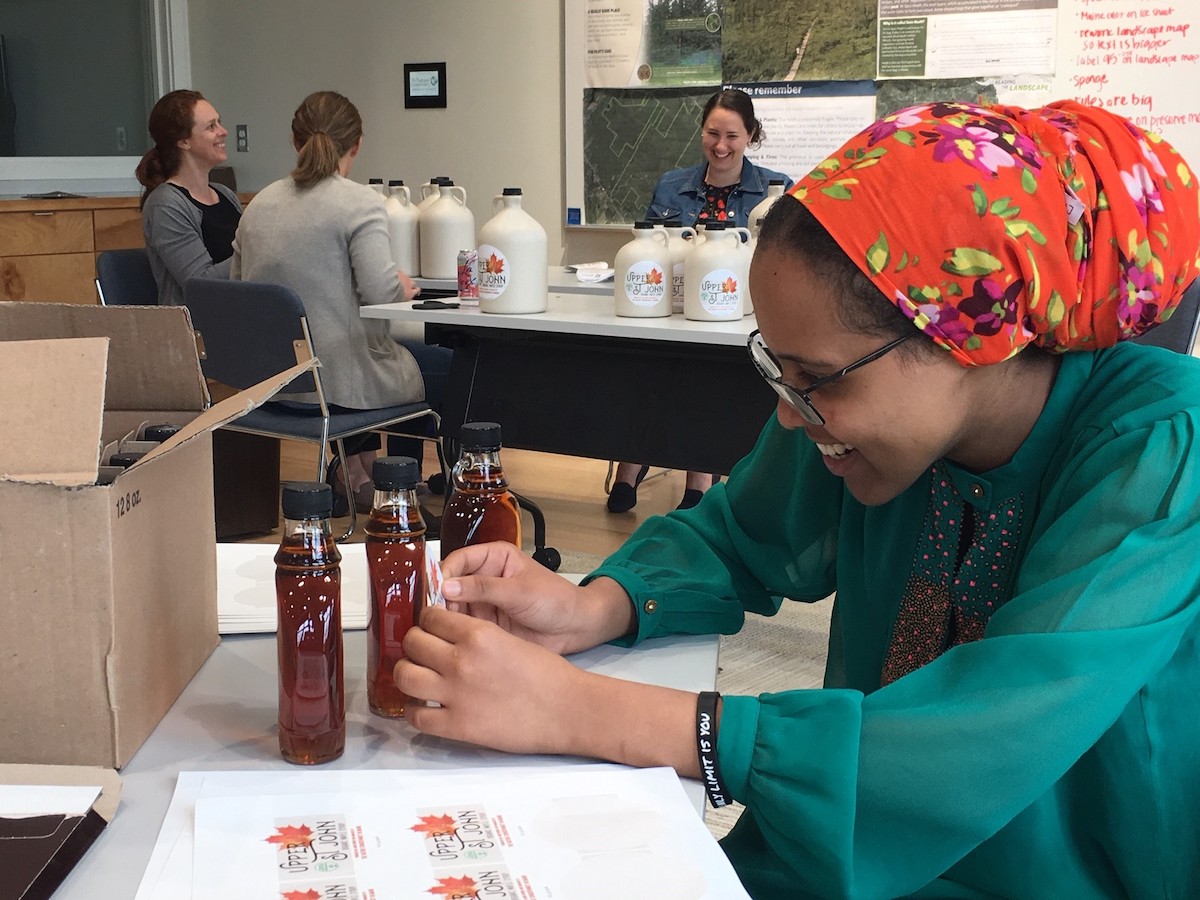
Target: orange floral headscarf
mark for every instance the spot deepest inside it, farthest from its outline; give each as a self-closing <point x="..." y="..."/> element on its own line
<point x="995" y="227"/>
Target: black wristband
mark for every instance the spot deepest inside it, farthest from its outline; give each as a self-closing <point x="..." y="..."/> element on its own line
<point x="706" y="749"/>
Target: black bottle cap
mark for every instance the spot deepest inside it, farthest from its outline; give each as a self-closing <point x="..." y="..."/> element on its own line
<point x="438" y="179"/>
<point x="395" y="473"/>
<point x="511" y="192"/>
<point x="374" y="181"/>
<point x="776" y="181"/>
<point x="714" y="226"/>
<point x="159" y="432"/>
<point x="125" y="460"/>
<point x="671" y="223"/>
<point x="480" y="436"/>
<point x="395" y="182"/>
<point x="642" y="224"/>
<point x="307" y="500"/>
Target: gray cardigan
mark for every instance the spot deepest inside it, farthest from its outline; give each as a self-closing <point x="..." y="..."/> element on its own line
<point x="329" y="243"/>
<point x="171" y="225"/>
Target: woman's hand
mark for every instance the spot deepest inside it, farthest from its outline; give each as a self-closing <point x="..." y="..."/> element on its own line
<point x="500" y="691"/>
<point x="494" y="688"/>
<point x="499" y="583"/>
<point x="407" y="285"/>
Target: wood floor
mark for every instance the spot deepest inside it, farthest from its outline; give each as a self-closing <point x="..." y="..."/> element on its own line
<point x="569" y="490"/>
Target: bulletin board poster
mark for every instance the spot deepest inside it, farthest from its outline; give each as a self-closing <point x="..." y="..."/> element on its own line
<point x="814" y="75"/>
<point x="965" y="38"/>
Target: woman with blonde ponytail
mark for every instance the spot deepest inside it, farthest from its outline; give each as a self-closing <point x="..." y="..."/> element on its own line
<point x="188" y="222"/>
<point x="326" y="237"/>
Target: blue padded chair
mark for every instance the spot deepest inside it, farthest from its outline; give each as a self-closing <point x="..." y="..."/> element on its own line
<point x="1178" y="333"/>
<point x="251" y="330"/>
<point x="124" y="278"/>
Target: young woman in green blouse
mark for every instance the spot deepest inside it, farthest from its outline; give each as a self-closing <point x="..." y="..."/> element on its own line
<point x="1002" y="491"/>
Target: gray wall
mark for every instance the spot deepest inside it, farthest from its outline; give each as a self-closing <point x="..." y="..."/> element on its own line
<point x="503" y="122"/>
<point x="78" y="73"/>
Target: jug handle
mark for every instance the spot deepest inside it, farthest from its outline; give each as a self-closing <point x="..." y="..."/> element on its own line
<point x="743" y="235"/>
<point x="428" y="189"/>
<point x="403" y="194"/>
<point x="687" y="232"/>
<point x="459" y="193"/>
<point x="497" y="202"/>
<point x="660" y="234"/>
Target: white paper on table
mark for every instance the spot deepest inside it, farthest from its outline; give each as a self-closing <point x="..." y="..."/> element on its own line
<point x="168" y="874"/>
<point x="27" y="800"/>
<point x="533" y="834"/>
<point x="246" y="587"/>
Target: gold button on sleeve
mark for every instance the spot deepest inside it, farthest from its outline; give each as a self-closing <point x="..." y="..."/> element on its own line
<point x="650" y="607"/>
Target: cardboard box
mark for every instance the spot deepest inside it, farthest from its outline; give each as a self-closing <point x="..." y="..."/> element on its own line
<point x="39" y="848"/>
<point x="109" y="591"/>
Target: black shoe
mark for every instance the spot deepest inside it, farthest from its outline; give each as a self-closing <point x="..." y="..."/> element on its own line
<point x="341" y="505"/>
<point x="623" y="496"/>
<point x="433" y="523"/>
<point x="690" y="498"/>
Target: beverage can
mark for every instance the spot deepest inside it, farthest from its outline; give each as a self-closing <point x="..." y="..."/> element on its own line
<point x="468" y="274"/>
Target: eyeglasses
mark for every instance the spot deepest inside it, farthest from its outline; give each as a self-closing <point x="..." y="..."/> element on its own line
<point x="769" y="368"/>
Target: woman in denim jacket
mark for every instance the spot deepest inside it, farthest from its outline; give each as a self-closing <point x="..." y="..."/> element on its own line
<point x="723" y="188"/>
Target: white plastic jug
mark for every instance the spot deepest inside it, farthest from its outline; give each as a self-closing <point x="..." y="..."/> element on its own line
<point x="429" y="191"/>
<point x="747" y="250"/>
<point x="680" y="241"/>
<point x="774" y="192"/>
<point x="446" y="227"/>
<point x="376" y="184"/>
<point x="713" y="278"/>
<point x="512" y="259"/>
<point x="641" y="278"/>
<point x="404" y="228"/>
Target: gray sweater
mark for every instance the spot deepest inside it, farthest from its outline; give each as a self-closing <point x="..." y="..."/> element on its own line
<point x="329" y="243"/>
<point x="171" y="225"/>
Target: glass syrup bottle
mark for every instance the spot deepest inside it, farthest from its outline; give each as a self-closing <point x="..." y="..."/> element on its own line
<point x="395" y="549"/>
<point x="308" y="582"/>
<point x="481" y="508"/>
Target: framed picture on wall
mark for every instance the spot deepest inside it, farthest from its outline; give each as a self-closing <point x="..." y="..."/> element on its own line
<point x="425" y="85"/>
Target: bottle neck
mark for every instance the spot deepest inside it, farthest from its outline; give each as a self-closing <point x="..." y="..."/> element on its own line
<point x="480" y="468"/>
<point x="401" y="504"/>
<point x="311" y="527"/>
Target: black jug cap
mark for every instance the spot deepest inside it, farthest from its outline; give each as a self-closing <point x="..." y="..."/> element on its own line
<point x="776" y="181"/>
<point x="374" y="181"/>
<point x="159" y="432"/>
<point x="671" y="223"/>
<point x="440" y="179"/>
<point x="714" y="226"/>
<point x="643" y="224"/>
<point x="480" y="436"/>
<point x="307" y="500"/>
<point x="395" y="473"/>
<point x="511" y="192"/>
<point x="125" y="460"/>
<point x="395" y="182"/>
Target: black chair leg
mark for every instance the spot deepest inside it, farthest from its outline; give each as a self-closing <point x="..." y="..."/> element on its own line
<point x="547" y="556"/>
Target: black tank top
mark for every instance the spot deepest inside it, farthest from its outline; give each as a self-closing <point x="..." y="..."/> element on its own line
<point x="218" y="224"/>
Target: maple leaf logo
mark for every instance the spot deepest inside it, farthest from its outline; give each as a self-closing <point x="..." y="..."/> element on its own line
<point x="730" y="286"/>
<point x="455" y="887"/>
<point x="292" y="836"/>
<point x="301" y="895"/>
<point x="654" y="277"/>
<point x="435" y="825"/>
<point x="493" y="265"/>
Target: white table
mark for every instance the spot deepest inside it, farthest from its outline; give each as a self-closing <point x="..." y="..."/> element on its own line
<point x="580" y="380"/>
<point x="226" y="719"/>
<point x="559" y="281"/>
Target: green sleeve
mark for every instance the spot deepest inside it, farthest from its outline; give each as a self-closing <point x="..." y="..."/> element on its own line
<point x="839" y="783"/>
<point x="769" y="532"/>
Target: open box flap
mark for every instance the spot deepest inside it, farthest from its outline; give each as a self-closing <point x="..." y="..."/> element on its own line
<point x="52" y="404"/>
<point x="230" y="408"/>
<point x="153" y="363"/>
<point x="106" y="779"/>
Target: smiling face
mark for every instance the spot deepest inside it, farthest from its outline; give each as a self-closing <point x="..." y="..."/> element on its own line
<point x="205" y="145"/>
<point x="885" y="423"/>
<point x="723" y="138"/>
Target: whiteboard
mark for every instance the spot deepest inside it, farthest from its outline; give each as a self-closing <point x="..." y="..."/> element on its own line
<point x="1139" y="58"/>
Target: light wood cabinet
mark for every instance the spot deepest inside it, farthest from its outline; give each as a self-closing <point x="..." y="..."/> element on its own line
<point x="48" y="248"/>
